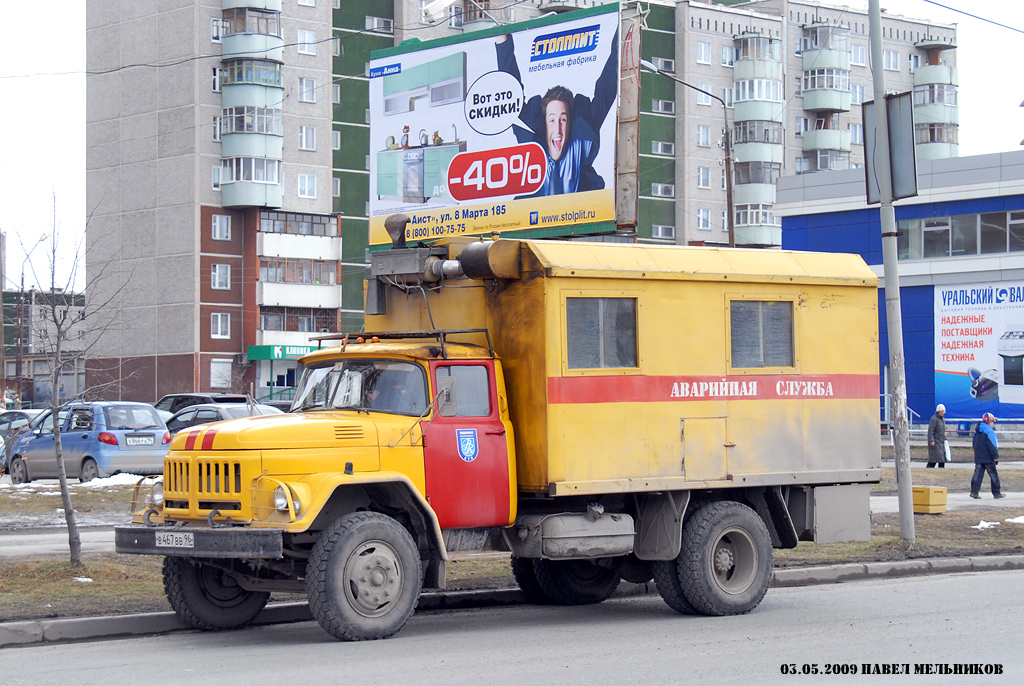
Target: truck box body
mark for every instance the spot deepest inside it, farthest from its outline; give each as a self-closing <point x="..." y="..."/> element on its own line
<point x="682" y="414"/>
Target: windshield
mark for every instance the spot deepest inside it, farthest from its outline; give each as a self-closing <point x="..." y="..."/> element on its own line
<point x="377" y="385"/>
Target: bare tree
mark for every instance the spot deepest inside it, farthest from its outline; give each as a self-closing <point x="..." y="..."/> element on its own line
<point x="65" y="320"/>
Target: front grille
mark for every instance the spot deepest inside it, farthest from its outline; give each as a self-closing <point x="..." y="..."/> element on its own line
<point x="348" y="432"/>
<point x="196" y="485"/>
<point x="216" y="477"/>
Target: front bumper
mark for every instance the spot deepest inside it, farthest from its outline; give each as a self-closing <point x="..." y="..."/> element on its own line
<point x="226" y="542"/>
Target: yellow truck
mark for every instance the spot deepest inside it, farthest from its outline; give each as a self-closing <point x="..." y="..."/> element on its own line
<point x="601" y="411"/>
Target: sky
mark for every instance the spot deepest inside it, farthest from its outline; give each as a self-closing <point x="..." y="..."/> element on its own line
<point x="42" y="89"/>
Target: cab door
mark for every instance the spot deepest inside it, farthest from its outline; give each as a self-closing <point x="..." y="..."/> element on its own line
<point x="466" y="457"/>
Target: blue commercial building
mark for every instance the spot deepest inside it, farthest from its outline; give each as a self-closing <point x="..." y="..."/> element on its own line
<point x="961" y="266"/>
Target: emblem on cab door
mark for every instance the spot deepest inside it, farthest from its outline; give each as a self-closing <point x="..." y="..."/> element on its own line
<point x="469" y="447"/>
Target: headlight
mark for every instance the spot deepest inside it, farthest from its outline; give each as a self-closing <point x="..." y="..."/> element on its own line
<point x="281" y="499"/>
<point x="281" y="495"/>
<point x="156" y="495"/>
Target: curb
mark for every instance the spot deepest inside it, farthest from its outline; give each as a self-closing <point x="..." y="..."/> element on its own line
<point x="32" y="632"/>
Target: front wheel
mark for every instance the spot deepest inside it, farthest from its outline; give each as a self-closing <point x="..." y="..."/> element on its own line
<point x="725" y="566"/>
<point x="363" y="577"/>
<point x="575" y="582"/>
<point x="208" y="598"/>
<point x="19" y="472"/>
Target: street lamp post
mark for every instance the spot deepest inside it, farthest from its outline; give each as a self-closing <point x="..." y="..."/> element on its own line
<point x="730" y="219"/>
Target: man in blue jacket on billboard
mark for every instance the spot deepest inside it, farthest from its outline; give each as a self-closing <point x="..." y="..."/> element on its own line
<point x="986" y="456"/>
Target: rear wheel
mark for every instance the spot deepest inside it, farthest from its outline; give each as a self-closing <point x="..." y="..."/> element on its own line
<point x="208" y="598"/>
<point x="526" y="578"/>
<point x="89" y="470"/>
<point x="725" y="566"/>
<point x="364" y="577"/>
<point x="19" y="473"/>
<point x="575" y="582"/>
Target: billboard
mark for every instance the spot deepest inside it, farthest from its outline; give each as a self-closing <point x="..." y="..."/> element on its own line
<point x="505" y="129"/>
<point x="979" y="349"/>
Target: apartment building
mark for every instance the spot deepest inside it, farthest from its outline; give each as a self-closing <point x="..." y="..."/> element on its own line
<point x="228" y="154"/>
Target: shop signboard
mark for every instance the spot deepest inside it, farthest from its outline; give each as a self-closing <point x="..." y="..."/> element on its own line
<point x="498" y="130"/>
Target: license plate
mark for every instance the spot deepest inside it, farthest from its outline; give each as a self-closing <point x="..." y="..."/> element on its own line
<point x="138" y="440"/>
<point x="172" y="539"/>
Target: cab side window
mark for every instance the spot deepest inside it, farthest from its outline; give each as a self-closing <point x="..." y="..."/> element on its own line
<point x="472" y="388"/>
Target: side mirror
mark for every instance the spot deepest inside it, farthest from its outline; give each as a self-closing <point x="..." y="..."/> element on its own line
<point x="447" y="405"/>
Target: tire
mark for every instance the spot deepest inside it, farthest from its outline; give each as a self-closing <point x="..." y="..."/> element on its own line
<point x="19" y="472"/>
<point x="207" y="598"/>
<point x="89" y="470"/>
<point x="364" y="576"/>
<point x="725" y="566"/>
<point x="666" y="578"/>
<point x="526" y="578"/>
<point x="575" y="582"/>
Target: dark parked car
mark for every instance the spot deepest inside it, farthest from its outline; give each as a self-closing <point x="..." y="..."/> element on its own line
<point x="215" y="412"/>
<point x="172" y="402"/>
<point x="12" y="424"/>
<point x="98" y="439"/>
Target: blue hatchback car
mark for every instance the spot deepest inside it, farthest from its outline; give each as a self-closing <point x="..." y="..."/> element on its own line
<point x="97" y="439"/>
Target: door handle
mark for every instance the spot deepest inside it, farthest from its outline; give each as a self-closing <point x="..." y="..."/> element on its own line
<point x="499" y="432"/>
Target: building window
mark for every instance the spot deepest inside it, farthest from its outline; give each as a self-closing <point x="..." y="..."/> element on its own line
<point x="307" y="90"/>
<point x="663" y="231"/>
<point x="306" y="42"/>
<point x="761" y="334"/>
<point x="220" y="373"/>
<point x="313" y="272"/>
<point x="728" y="55"/>
<point x="336" y="47"/>
<point x="220" y="277"/>
<point x="336" y="93"/>
<point x="704" y="136"/>
<point x="301" y="224"/>
<point x="856" y="94"/>
<point x="803" y="165"/>
<point x="380" y="25"/>
<point x="215" y="178"/>
<point x="800" y="125"/>
<point x="216" y="129"/>
<point x="891" y="60"/>
<point x="915" y="62"/>
<point x="703" y="177"/>
<point x="833" y="160"/>
<point x="307" y="185"/>
<point x="246" y="20"/>
<point x="220" y="325"/>
<point x="335" y="140"/>
<point x="757" y="172"/>
<point x="216" y="79"/>
<point x="727" y="96"/>
<point x="218" y="27"/>
<point x="704" y="219"/>
<point x="703" y="53"/>
<point x="704" y="94"/>
<point x="724" y="180"/>
<point x="307" y="138"/>
<point x="335" y="187"/>
<point x="857" y="134"/>
<point x="664" y="64"/>
<point x="308" y="3"/>
<point x="221" y="227"/>
<point x="258" y="169"/>
<point x="258" y="72"/>
<point x="757" y="131"/>
<point x="936" y="133"/>
<point x="831" y="79"/>
<point x="756" y="215"/>
<point x="663" y="190"/>
<point x="663" y="106"/>
<point x="249" y="119"/>
<point x="663" y="148"/>
<point x="760" y="48"/>
<point x="935" y="94"/>
<point x="758" y="89"/>
<point x="859" y="55"/>
<point x="601" y="332"/>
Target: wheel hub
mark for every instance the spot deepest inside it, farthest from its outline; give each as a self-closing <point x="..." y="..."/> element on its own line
<point x="724" y="560"/>
<point x="373" y="578"/>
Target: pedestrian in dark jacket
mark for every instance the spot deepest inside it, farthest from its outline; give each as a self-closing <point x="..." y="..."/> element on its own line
<point x="986" y="456"/>
<point x="937" y="437"/>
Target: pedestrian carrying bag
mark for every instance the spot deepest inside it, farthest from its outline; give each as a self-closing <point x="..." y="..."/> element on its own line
<point x="948" y="458"/>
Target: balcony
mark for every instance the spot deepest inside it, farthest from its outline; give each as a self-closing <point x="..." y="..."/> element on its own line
<point x="285" y="338"/>
<point x="561" y="5"/>
<point x="826" y="139"/>
<point x="298" y="295"/>
<point x="255" y="45"/>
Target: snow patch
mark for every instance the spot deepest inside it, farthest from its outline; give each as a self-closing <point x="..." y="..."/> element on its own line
<point x="83" y="579"/>
<point x="1016" y="520"/>
<point x="986" y="525"/>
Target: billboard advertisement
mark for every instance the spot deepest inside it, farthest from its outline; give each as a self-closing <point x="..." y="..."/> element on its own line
<point x="979" y="349"/>
<point x="505" y="129"/>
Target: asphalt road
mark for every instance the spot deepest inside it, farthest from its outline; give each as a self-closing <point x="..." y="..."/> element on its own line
<point x="932" y="621"/>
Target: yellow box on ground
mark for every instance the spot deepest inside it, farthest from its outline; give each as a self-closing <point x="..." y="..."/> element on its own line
<point x="929" y="499"/>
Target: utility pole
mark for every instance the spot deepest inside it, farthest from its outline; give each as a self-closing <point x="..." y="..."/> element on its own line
<point x="890" y="255"/>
